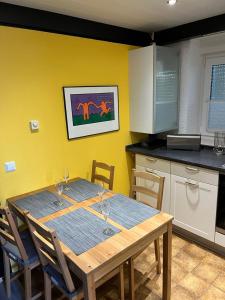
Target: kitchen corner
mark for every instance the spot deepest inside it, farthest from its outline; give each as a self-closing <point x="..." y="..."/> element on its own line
<point x="193" y="191"/>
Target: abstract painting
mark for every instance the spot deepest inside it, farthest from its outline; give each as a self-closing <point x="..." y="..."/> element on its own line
<point x="91" y="110"/>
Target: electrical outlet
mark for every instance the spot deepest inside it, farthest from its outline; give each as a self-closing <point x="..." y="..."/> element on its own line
<point x="10" y="166"/>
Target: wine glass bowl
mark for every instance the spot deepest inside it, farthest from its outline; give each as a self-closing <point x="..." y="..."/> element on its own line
<point x="59" y="190"/>
<point x="101" y="191"/>
<point x="66" y="177"/>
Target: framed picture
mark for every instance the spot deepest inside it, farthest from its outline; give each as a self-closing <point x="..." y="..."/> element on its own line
<point x="91" y="110"/>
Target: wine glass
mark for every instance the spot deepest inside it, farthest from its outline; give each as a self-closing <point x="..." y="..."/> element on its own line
<point x="101" y="190"/>
<point x="105" y="210"/>
<point x="59" y="189"/>
<point x="66" y="177"/>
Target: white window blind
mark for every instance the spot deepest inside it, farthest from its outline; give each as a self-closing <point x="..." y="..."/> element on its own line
<point x="216" y="109"/>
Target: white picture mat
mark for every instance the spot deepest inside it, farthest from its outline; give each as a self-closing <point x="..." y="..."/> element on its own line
<point x="94" y="128"/>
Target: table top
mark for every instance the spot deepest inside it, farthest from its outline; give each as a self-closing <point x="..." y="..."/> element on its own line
<point x="108" y="250"/>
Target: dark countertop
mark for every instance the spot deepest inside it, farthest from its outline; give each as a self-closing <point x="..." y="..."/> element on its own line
<point x="204" y="158"/>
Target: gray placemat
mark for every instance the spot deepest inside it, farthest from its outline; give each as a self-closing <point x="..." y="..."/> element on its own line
<point x="126" y="211"/>
<point x="80" y="230"/>
<point x="81" y="190"/>
<point x="42" y="204"/>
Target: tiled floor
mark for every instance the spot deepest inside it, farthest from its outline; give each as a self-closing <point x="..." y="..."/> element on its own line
<point x="196" y="274"/>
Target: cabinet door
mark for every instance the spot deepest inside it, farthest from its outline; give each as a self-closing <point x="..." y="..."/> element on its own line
<point x="193" y="205"/>
<point x="166" y="193"/>
<point x="141" y="89"/>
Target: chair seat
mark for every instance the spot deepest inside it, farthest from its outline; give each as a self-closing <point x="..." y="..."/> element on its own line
<point x="58" y="280"/>
<point x="14" y="254"/>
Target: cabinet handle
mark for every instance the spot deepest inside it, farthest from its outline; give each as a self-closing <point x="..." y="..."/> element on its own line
<point x="150" y="171"/>
<point x="194" y="185"/>
<point x="192" y="169"/>
<point x="151" y="159"/>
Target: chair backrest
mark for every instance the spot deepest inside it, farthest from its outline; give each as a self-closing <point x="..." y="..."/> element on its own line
<point x="17" y="212"/>
<point x="99" y="177"/>
<point x="9" y="231"/>
<point x="139" y="188"/>
<point x="49" y="249"/>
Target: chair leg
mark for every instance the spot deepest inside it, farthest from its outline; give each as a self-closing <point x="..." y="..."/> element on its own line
<point x="27" y="280"/>
<point x="121" y="275"/>
<point x="7" y="274"/>
<point x="48" y="287"/>
<point x="157" y="256"/>
<point x="131" y="279"/>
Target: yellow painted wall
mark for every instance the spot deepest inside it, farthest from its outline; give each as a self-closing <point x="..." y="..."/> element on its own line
<point x="34" y="66"/>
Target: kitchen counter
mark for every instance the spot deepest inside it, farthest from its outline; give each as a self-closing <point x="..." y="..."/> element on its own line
<point x="205" y="158"/>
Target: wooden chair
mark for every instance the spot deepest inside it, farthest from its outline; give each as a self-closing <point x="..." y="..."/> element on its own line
<point x="158" y="195"/>
<point x="17" y="246"/>
<point x="99" y="177"/>
<point x="55" y="266"/>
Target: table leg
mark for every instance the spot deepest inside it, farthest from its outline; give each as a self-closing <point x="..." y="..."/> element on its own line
<point x="89" y="287"/>
<point x="167" y="256"/>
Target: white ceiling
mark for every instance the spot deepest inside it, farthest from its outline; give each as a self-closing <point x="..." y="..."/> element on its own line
<point x="145" y="15"/>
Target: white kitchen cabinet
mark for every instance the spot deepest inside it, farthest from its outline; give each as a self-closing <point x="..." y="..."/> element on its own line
<point x="153" y="88"/>
<point x="156" y="166"/>
<point x="193" y="205"/>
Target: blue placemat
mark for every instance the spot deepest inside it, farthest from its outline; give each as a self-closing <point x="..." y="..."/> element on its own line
<point x="81" y="190"/>
<point x="126" y="211"/>
<point x="80" y="230"/>
<point x="42" y="204"/>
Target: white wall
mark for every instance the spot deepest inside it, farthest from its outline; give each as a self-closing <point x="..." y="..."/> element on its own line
<point x="192" y="57"/>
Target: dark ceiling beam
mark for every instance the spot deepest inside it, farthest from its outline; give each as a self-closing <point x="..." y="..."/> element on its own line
<point x="29" y="18"/>
<point x="190" y="30"/>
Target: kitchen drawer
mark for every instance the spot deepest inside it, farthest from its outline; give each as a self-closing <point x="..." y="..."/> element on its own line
<point x="153" y="163"/>
<point x="195" y="173"/>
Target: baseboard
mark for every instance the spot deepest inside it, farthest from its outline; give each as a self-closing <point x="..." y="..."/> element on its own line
<point x="199" y="240"/>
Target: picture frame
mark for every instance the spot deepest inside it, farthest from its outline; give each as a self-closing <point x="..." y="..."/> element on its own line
<point x="91" y="110"/>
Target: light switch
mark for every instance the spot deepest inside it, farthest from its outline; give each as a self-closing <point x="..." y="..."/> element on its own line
<point x="10" y="166"/>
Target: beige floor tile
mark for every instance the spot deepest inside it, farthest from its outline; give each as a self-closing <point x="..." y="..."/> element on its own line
<point x="206" y="272"/>
<point x="179" y="293"/>
<point x="155" y="284"/>
<point x="144" y="293"/>
<point x="185" y="261"/>
<point x="178" y="242"/>
<point x="215" y="260"/>
<point x="175" y="250"/>
<point x="220" y="282"/>
<point x="178" y="273"/>
<point x="194" y="285"/>
<point x="194" y="250"/>
<point x="213" y="294"/>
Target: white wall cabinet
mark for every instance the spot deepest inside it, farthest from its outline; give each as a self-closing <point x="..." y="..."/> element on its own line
<point x="153" y="88"/>
<point x="161" y="168"/>
<point x="193" y="205"/>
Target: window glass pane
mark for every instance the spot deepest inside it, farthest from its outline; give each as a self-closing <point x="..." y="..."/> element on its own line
<point x="166" y="86"/>
<point x="218" y="82"/>
<point x="216" y="116"/>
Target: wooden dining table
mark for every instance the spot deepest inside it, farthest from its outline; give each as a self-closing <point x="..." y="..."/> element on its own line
<point x="95" y="263"/>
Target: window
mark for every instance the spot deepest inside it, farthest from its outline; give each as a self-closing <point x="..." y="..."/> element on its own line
<point x="216" y="110"/>
<point x="213" y="112"/>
